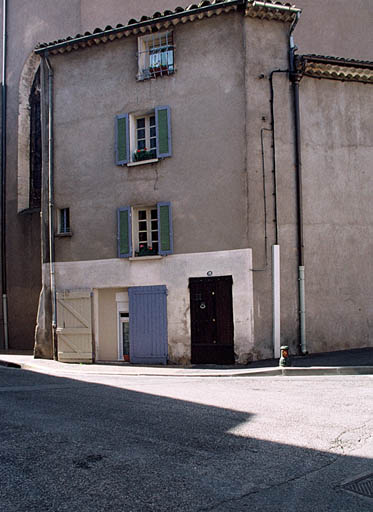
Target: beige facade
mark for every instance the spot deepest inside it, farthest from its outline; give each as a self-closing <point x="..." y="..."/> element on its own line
<point x="220" y="107"/>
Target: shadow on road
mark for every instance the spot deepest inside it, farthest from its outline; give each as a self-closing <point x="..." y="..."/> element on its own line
<point x="76" y="446"/>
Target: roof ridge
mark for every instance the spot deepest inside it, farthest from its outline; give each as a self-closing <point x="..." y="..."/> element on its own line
<point x="283" y="11"/>
<point x="342" y="60"/>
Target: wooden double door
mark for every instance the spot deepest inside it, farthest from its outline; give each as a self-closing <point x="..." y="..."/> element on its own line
<point x="211" y="312"/>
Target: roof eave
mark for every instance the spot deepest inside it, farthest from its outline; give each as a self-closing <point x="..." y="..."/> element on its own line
<point x="334" y="68"/>
<point x="252" y="8"/>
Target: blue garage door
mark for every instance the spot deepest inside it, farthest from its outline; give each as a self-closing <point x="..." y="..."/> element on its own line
<point x="148" y="324"/>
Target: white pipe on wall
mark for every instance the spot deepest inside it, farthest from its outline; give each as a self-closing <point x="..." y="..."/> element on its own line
<point x="302" y="312"/>
<point x="276" y="300"/>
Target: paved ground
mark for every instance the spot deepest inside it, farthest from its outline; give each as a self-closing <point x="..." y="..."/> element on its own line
<point x="96" y="442"/>
<point x="347" y="362"/>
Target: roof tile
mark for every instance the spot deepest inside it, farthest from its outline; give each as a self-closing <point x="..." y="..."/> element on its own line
<point x="262" y="9"/>
<point x="336" y="68"/>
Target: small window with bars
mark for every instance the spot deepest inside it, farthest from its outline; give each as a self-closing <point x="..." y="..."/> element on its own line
<point x="156" y="55"/>
<point x="63" y="227"/>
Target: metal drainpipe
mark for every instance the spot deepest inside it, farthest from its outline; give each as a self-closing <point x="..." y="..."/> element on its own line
<point x="274" y="170"/>
<point x="51" y="204"/>
<point x="4" y="285"/>
<point x="295" y="79"/>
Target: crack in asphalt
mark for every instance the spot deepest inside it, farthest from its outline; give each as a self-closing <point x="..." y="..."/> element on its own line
<point x="268" y="487"/>
<point x="350" y="439"/>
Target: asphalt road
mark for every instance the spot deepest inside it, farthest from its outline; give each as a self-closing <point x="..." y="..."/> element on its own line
<point x="114" y="443"/>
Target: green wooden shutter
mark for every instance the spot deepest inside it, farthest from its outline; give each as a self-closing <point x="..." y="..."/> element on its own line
<point x="165" y="228"/>
<point x="122" y="139"/>
<point x="124" y="232"/>
<point x="163" y="126"/>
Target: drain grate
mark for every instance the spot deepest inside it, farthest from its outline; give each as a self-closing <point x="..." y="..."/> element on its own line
<point x="362" y="486"/>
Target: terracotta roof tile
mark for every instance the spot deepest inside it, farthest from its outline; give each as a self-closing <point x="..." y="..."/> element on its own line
<point x="267" y="9"/>
<point x="336" y="68"/>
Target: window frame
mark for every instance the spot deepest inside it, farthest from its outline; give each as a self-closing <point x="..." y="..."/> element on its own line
<point x="128" y="237"/>
<point x="134" y="150"/>
<point x="145" y="50"/>
<point x="126" y="140"/>
<point x="64" y="222"/>
<point x="136" y="248"/>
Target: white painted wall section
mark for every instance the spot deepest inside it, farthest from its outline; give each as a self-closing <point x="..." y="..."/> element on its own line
<point x="276" y="300"/>
<point x="174" y="271"/>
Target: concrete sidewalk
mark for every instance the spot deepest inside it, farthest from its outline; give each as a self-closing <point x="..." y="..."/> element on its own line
<point x="348" y="362"/>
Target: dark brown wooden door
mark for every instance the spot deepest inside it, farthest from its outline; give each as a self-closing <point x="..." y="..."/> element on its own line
<point x="211" y="313"/>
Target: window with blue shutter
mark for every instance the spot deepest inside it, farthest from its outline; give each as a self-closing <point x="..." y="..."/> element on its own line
<point x="122" y="136"/>
<point x="143" y="138"/>
<point x="165" y="228"/>
<point x="145" y="231"/>
<point x="163" y="124"/>
<point x="124" y="232"/>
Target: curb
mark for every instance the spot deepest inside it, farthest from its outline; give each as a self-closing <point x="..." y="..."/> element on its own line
<point x="8" y="364"/>
<point x="142" y="372"/>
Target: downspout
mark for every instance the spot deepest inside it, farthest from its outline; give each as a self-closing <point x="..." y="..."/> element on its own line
<point x="295" y="79"/>
<point x="274" y="170"/>
<point x="51" y="204"/>
<point x="4" y="284"/>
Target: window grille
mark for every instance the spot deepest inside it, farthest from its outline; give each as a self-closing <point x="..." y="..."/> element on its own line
<point x="156" y="55"/>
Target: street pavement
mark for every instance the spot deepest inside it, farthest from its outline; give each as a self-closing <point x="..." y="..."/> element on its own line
<point x="118" y="442"/>
<point x="346" y="362"/>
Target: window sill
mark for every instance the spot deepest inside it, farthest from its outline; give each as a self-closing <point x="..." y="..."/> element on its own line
<point x="142" y="258"/>
<point x="144" y="78"/>
<point x="141" y="162"/>
<point x="63" y="235"/>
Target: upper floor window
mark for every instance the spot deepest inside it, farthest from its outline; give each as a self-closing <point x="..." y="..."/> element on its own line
<point x="35" y="144"/>
<point x="155" y="55"/>
<point x="143" y="136"/>
<point x="145" y="231"/>
<point x="29" y="138"/>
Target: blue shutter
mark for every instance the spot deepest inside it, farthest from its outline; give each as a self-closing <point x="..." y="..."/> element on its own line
<point x="124" y="232"/>
<point x="165" y="232"/>
<point x="148" y="324"/>
<point x="122" y="138"/>
<point x="163" y="131"/>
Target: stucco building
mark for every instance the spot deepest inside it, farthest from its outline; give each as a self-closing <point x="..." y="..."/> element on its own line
<point x="195" y="172"/>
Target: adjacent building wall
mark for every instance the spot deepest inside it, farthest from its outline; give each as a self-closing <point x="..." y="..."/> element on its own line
<point x="337" y="136"/>
<point x="28" y="23"/>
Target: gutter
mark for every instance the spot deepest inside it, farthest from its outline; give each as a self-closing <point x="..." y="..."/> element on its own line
<point x="51" y="204"/>
<point x="338" y="61"/>
<point x="295" y="79"/>
<point x="277" y="7"/>
<point x="4" y="284"/>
